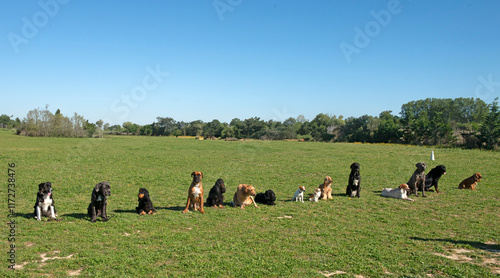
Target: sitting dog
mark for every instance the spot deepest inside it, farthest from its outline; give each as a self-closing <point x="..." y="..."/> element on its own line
<point x="44" y="204"/>
<point x="98" y="201"/>
<point x="417" y="179"/>
<point x="266" y="198"/>
<point x="470" y="182"/>
<point x="195" y="194"/>
<point x="145" y="204"/>
<point x="326" y="188"/>
<point x="432" y="178"/>
<point x="399" y="193"/>
<point x="244" y="196"/>
<point x="299" y="194"/>
<point x="354" y="185"/>
<point x="215" y="197"/>
<point x="315" y="197"/>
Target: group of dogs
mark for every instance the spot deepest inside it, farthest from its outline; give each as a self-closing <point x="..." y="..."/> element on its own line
<point x="245" y="194"/>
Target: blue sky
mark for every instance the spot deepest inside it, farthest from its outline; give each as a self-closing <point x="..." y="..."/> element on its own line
<point x="223" y="59"/>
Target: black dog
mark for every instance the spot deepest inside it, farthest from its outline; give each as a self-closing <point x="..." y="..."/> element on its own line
<point x="44" y="205"/>
<point x="215" y="197"/>
<point x="432" y="178"/>
<point x="266" y="198"/>
<point x="98" y="202"/>
<point x="145" y="204"/>
<point x="354" y="185"/>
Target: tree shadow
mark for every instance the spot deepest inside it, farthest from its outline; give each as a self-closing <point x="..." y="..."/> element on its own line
<point x="479" y="245"/>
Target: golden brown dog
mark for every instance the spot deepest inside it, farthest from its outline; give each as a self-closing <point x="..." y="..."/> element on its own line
<point x="470" y="182"/>
<point x="326" y="188"/>
<point x="195" y="194"/>
<point x="244" y="196"/>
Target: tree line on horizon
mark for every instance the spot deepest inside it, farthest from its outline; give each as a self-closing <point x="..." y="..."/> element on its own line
<point x="460" y="122"/>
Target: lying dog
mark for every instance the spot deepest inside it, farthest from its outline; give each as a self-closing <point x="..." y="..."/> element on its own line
<point x="195" y="194"/>
<point x="145" y="204"/>
<point x="299" y="194"/>
<point x="399" y="193"/>
<point x="266" y="198"/>
<point x="470" y="182"/>
<point x="354" y="185"/>
<point x="98" y="201"/>
<point x="215" y="197"/>
<point x="244" y="196"/>
<point x="315" y="197"/>
<point x="432" y="178"/>
<point x="44" y="204"/>
<point x="417" y="180"/>
<point x="326" y="188"/>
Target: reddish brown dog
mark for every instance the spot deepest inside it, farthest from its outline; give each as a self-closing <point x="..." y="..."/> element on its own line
<point x="195" y="194"/>
<point x="244" y="196"/>
<point x="470" y="182"/>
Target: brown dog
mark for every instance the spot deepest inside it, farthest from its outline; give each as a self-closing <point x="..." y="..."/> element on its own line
<point x="470" y="182"/>
<point x="244" y="196"/>
<point x="195" y="194"/>
<point x="326" y="189"/>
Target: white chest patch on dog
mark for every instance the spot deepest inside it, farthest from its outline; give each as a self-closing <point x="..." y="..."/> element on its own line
<point x="47" y="202"/>
<point x="99" y="198"/>
<point x="355" y="182"/>
<point x="197" y="191"/>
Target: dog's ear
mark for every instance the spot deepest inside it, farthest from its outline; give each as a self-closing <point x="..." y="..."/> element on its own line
<point x="40" y="186"/>
<point x="193" y="173"/>
<point x="97" y="187"/>
<point x="201" y="174"/>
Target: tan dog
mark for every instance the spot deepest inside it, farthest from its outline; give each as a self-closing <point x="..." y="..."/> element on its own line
<point x="470" y="182"/>
<point x="244" y="196"/>
<point x="326" y="188"/>
<point x="195" y="194"/>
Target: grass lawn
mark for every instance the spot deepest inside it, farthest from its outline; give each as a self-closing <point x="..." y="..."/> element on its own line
<point x="452" y="234"/>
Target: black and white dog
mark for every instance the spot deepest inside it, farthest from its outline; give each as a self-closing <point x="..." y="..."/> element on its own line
<point x="98" y="201"/>
<point x="44" y="205"/>
<point x="215" y="197"/>
<point x="432" y="178"/>
<point x="267" y="198"/>
<point x="354" y="185"/>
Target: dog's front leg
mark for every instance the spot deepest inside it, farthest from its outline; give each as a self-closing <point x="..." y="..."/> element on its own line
<point x="187" y="204"/>
<point x="253" y="201"/>
<point x="93" y="216"/>
<point x="52" y="213"/>
<point x="104" y="215"/>
<point x="201" y="204"/>
<point x="38" y="213"/>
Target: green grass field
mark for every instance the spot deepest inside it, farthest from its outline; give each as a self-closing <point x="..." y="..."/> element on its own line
<point x="452" y="234"/>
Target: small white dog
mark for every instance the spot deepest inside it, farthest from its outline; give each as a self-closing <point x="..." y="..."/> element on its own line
<point x="315" y="197"/>
<point x="399" y="193"/>
<point x="299" y="194"/>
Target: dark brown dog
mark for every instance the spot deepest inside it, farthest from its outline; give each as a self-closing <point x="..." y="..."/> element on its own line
<point x="195" y="194"/>
<point x="417" y="180"/>
<point x="470" y="182"/>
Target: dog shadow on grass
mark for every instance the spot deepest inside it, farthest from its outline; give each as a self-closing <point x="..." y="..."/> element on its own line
<point x="479" y="245"/>
<point x="125" y="211"/>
